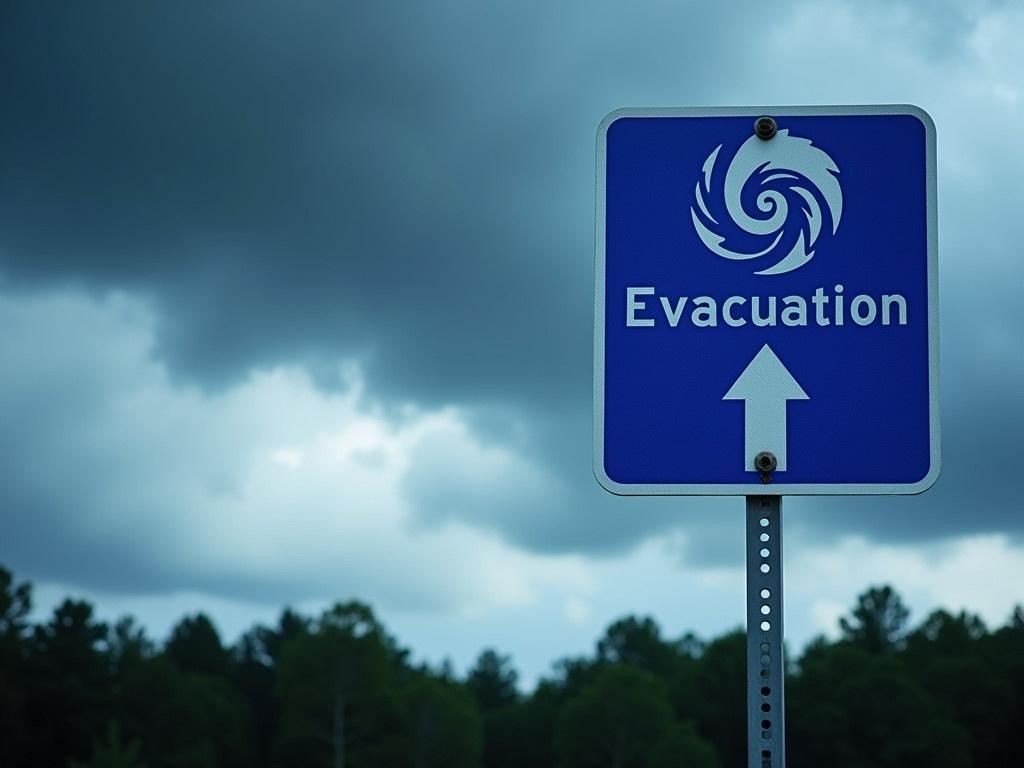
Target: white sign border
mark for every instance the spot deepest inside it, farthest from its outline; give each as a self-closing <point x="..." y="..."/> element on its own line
<point x="757" y="488"/>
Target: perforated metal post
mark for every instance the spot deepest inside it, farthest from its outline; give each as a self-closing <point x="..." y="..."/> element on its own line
<point x="766" y="728"/>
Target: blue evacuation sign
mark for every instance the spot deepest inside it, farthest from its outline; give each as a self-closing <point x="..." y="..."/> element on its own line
<point x="766" y="295"/>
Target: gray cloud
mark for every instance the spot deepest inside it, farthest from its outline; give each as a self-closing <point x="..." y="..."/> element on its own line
<point x="412" y="186"/>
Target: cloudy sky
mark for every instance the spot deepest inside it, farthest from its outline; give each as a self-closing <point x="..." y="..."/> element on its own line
<point x="296" y="305"/>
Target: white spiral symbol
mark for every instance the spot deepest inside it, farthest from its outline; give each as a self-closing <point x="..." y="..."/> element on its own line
<point x="793" y="185"/>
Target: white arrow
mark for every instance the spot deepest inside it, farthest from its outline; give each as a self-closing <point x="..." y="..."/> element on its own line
<point x="765" y="385"/>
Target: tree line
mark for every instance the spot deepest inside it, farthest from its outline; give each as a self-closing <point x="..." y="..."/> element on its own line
<point x="337" y="690"/>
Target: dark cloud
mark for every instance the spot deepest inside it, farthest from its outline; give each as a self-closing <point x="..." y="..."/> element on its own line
<point x="411" y="185"/>
<point x="408" y="184"/>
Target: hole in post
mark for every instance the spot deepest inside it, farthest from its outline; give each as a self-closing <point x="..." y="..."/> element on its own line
<point x="765" y="537"/>
<point x="765" y="552"/>
<point x="765" y="610"/>
<point x="766" y="625"/>
<point x="766" y="691"/>
<point x="766" y="593"/>
<point x="764" y="522"/>
<point x="766" y="707"/>
<point x="765" y="567"/>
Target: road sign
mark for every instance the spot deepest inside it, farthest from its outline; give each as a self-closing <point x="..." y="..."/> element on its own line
<point x="766" y="287"/>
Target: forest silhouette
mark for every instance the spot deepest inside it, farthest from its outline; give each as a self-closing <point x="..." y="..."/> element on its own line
<point x="337" y="690"/>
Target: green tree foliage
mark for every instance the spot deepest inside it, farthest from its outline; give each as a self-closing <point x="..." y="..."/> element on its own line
<point x="255" y="661"/>
<point x="442" y="724"/>
<point x="614" y="722"/>
<point x="637" y="643"/>
<point x="1002" y="654"/>
<point x="878" y="622"/>
<point x="127" y="647"/>
<point x="947" y="654"/>
<point x="15" y="605"/>
<point x="624" y="720"/>
<point x="1017" y="619"/>
<point x="720" y="692"/>
<point x="194" y="646"/>
<point x="113" y="752"/>
<point x="334" y="683"/>
<point x="682" y="747"/>
<point x="338" y="691"/>
<point x="522" y="735"/>
<point x="492" y="681"/>
<point x="70" y="686"/>
<point x="851" y="708"/>
<point x="207" y="713"/>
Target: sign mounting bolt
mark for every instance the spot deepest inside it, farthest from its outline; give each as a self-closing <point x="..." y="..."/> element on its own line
<point x="765" y="463"/>
<point x="765" y="127"/>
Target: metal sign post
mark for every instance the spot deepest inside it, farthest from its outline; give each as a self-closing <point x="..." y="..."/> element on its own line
<point x="766" y="667"/>
<point x="766" y="306"/>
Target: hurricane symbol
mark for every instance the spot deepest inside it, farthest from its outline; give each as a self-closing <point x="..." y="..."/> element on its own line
<point x="777" y="197"/>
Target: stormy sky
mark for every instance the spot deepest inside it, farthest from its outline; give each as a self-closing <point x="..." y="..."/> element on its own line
<point x="296" y="305"/>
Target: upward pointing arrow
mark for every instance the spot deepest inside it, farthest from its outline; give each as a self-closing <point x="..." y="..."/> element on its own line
<point x="765" y="385"/>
